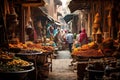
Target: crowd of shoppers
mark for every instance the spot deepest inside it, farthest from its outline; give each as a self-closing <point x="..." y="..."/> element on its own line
<point x="65" y="38"/>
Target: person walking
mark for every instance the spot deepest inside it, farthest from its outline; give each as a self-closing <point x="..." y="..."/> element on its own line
<point x="70" y="38"/>
<point x="83" y="39"/>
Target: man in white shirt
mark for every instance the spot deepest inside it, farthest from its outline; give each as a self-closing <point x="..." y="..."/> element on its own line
<point x="69" y="38"/>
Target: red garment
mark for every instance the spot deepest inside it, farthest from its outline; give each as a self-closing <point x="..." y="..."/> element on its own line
<point x="83" y="37"/>
<point x="35" y="35"/>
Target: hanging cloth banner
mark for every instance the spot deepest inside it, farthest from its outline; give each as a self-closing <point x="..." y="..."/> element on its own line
<point x="30" y="28"/>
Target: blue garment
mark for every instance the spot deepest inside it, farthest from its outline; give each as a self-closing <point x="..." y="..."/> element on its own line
<point x="69" y="38"/>
<point x="55" y="32"/>
<point x="48" y="30"/>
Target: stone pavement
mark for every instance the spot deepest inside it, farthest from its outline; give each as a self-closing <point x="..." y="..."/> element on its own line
<point x="63" y="54"/>
<point x="61" y="69"/>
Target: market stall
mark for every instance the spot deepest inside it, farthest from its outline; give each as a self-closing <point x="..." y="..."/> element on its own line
<point x="102" y="49"/>
<point x="19" y="58"/>
<point x="41" y="55"/>
<point x="14" y="67"/>
<point x="92" y="55"/>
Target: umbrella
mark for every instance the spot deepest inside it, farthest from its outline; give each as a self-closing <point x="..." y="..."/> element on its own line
<point x="69" y="17"/>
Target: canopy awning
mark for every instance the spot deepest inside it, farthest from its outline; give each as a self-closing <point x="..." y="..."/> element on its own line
<point x="39" y="15"/>
<point x="69" y="17"/>
<point x="78" y="5"/>
<point x="57" y="23"/>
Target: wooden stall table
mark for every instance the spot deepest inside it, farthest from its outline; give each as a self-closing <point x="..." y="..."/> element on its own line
<point x="48" y="55"/>
<point x="40" y="60"/>
<point x="30" y="57"/>
<point x="83" y="59"/>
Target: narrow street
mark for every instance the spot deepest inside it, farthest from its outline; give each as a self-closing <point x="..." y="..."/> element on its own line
<point x="60" y="40"/>
<point x="61" y="68"/>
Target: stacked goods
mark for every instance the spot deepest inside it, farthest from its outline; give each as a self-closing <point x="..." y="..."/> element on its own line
<point x="30" y="46"/>
<point x="88" y="50"/>
<point x="96" y="23"/>
<point x="98" y="36"/>
<point x="107" y="46"/>
<point x="16" y="47"/>
<point x="91" y="45"/>
<point x="107" y="43"/>
<point x="18" y="62"/>
<point x="39" y="47"/>
<point x="96" y="26"/>
<point x="15" y="43"/>
<point x="19" y="45"/>
<point x="48" y="48"/>
<point x="5" y="56"/>
<point x="90" y="53"/>
<point x="8" y="63"/>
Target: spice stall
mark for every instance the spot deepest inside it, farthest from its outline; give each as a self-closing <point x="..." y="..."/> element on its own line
<point x="37" y="53"/>
<point x="93" y="59"/>
<point x="21" y="58"/>
<point x="14" y="67"/>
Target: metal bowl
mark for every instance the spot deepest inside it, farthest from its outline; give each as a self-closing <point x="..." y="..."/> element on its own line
<point x="15" y="75"/>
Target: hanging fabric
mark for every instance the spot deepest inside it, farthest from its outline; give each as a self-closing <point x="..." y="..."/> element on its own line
<point x="30" y="28"/>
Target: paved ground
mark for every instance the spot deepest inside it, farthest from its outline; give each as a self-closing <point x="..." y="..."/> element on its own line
<point x="63" y="54"/>
<point x="61" y="69"/>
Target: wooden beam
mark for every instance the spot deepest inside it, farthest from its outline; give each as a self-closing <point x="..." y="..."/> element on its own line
<point x="30" y="3"/>
<point x="33" y="4"/>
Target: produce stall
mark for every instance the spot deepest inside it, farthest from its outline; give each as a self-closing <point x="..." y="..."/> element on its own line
<point x="102" y="52"/>
<point x="93" y="58"/>
<point x="14" y="67"/>
<point x="19" y="58"/>
<point x="39" y="54"/>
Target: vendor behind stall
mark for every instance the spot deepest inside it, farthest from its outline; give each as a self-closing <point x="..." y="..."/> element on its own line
<point x="83" y="39"/>
<point x="50" y="29"/>
<point x="30" y="31"/>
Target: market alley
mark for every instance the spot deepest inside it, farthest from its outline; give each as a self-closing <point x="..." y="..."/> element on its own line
<point x="61" y="68"/>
